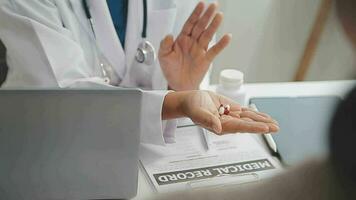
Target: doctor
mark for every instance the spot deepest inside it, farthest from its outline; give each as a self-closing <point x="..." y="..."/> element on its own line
<point x="73" y="43"/>
<point x="184" y="58"/>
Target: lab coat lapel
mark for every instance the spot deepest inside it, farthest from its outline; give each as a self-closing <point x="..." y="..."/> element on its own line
<point x="133" y="30"/>
<point x="79" y="19"/>
<point x="106" y="36"/>
<point x="161" y="20"/>
<point x="136" y="74"/>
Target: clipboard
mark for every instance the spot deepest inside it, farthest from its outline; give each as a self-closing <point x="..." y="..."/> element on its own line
<point x="188" y="164"/>
<point x="224" y="180"/>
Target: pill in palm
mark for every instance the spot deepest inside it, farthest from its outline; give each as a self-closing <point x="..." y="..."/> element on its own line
<point x="221" y="110"/>
<point x="224" y="110"/>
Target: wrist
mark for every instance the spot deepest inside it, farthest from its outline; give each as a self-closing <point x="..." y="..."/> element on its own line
<point x="174" y="104"/>
<point x="189" y="87"/>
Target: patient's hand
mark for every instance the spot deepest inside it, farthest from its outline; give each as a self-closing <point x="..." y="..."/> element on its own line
<point x="203" y="108"/>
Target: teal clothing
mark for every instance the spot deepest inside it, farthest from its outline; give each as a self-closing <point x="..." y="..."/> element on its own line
<point x="118" y="10"/>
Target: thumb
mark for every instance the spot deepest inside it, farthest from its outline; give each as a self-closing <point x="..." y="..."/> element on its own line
<point x="208" y="120"/>
<point x="166" y="45"/>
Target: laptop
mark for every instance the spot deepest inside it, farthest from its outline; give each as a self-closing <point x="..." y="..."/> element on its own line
<point x="304" y="125"/>
<point x="69" y="144"/>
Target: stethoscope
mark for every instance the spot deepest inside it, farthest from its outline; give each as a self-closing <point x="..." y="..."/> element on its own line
<point x="145" y="50"/>
<point x="145" y="53"/>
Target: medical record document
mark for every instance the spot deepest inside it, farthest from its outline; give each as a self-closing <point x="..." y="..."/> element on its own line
<point x="201" y="159"/>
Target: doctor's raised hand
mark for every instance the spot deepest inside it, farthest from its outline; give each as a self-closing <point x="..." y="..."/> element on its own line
<point x="186" y="60"/>
<point x="216" y="113"/>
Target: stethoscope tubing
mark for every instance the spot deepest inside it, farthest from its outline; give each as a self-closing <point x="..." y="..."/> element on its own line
<point x="144" y="28"/>
<point x="145" y="52"/>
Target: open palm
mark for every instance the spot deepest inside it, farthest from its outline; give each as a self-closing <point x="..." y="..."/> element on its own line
<point x="186" y="60"/>
<point x="202" y="108"/>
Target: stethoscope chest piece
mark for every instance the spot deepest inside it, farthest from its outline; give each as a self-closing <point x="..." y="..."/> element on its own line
<point x="146" y="53"/>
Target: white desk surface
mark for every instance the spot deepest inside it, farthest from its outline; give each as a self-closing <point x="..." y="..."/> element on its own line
<point x="290" y="89"/>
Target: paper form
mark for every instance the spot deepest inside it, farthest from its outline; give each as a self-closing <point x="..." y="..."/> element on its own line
<point x="188" y="164"/>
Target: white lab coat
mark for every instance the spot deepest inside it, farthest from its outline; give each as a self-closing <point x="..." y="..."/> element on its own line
<point x="50" y="46"/>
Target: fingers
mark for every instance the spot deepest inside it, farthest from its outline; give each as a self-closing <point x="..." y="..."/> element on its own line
<point x="249" y="115"/>
<point x="233" y="125"/>
<point x="235" y="114"/>
<point x="209" y="33"/>
<point x="273" y="128"/>
<point x="260" y="113"/>
<point x="203" y="22"/>
<point x="166" y="45"/>
<point x="218" y="47"/>
<point x="208" y="120"/>
<point x="256" y="117"/>
<point x="193" y="19"/>
<point x="247" y="119"/>
<point x="248" y="122"/>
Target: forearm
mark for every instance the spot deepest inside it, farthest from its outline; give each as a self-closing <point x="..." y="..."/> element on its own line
<point x="172" y="105"/>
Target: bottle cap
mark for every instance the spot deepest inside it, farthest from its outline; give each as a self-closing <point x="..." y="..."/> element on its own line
<point x="231" y="79"/>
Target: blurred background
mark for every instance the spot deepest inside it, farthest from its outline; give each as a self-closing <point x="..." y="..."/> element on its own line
<point x="270" y="38"/>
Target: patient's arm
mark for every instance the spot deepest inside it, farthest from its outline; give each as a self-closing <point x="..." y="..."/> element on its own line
<point x="202" y="107"/>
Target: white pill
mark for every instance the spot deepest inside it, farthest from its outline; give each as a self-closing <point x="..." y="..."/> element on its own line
<point x="221" y="110"/>
<point x="227" y="107"/>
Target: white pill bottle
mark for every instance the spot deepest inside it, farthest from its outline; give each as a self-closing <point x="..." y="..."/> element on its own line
<point x="231" y="85"/>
